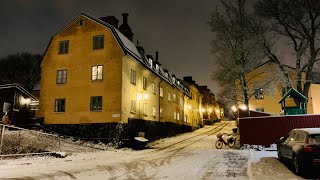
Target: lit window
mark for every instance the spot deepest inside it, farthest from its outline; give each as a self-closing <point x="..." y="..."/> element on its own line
<point x="154" y="111"/>
<point x="161" y="92"/>
<point x="96" y="103"/>
<point x="174" y="97"/>
<point x="64" y="47"/>
<point x="59" y="105"/>
<point x="169" y="96"/>
<point x="133" y="77"/>
<point x="178" y="116"/>
<point x="98" y="42"/>
<point x="61" y="76"/>
<point x="181" y="101"/>
<point x="133" y="106"/>
<point x="144" y="82"/>
<point x="258" y="94"/>
<point x="174" y="115"/>
<point x="154" y="88"/>
<point x="96" y="72"/>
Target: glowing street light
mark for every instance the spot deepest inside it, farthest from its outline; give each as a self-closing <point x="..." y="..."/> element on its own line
<point x="234" y="108"/>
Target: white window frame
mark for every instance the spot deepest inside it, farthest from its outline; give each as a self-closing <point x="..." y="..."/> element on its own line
<point x="97" y="72"/>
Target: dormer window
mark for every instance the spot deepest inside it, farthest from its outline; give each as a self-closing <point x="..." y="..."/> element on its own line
<point x="150" y="62"/>
<point x="174" y="80"/>
<point x="178" y="83"/>
<point x="166" y="75"/>
<point x="157" y="67"/>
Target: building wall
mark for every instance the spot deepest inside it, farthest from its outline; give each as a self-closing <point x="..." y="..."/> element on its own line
<point x="314" y="99"/>
<point x="193" y="108"/>
<point x="131" y="91"/>
<point x="79" y="87"/>
<point x="270" y="100"/>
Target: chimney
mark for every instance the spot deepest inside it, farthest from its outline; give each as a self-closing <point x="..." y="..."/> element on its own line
<point x="125" y="28"/>
<point x="188" y="79"/>
<point x="110" y="20"/>
<point x="125" y="18"/>
<point x="157" y="56"/>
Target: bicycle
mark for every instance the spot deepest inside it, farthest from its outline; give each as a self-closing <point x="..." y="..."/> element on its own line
<point x="225" y="139"/>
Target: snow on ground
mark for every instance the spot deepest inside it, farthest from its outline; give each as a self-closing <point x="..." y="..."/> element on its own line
<point x="187" y="156"/>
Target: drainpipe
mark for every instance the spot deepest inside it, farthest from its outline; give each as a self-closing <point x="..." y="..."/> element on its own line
<point x="159" y="98"/>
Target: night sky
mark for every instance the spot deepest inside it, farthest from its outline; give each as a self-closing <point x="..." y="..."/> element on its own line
<point x="177" y="29"/>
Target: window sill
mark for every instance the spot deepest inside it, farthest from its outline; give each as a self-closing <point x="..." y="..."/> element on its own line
<point x="145" y="115"/>
<point x="95" y="110"/>
<point x="133" y="112"/>
<point x="96" y="80"/>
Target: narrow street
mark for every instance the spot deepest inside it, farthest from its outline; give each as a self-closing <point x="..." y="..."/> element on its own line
<point x="187" y="156"/>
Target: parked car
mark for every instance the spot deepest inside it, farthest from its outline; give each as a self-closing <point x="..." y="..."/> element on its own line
<point x="301" y="148"/>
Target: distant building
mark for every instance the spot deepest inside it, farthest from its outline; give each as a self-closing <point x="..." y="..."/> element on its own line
<point x="18" y="105"/>
<point x="269" y="102"/>
<point x="96" y="83"/>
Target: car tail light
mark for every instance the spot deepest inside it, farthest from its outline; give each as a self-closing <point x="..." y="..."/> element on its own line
<point x="307" y="148"/>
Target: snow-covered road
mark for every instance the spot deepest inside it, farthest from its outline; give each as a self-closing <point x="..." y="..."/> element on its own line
<point x="187" y="156"/>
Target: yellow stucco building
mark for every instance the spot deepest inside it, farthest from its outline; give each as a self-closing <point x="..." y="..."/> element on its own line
<point x="269" y="101"/>
<point x="96" y="83"/>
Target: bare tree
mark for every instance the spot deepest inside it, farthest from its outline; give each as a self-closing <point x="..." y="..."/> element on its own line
<point x="23" y="69"/>
<point x="237" y="47"/>
<point x="299" y="21"/>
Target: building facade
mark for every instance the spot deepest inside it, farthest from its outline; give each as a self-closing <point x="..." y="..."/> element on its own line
<point x="269" y="102"/>
<point x="94" y="79"/>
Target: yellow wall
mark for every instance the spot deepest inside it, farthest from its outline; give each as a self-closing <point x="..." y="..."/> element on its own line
<point x="314" y="99"/>
<point x="270" y="101"/>
<point x="193" y="108"/>
<point x="115" y="88"/>
<point x="130" y="91"/>
<point x="79" y="87"/>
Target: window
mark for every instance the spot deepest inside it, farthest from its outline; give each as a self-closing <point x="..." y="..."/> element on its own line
<point x="96" y="103"/>
<point x="260" y="109"/>
<point x="181" y="101"/>
<point x="258" y="94"/>
<point x="133" y="106"/>
<point x="178" y="116"/>
<point x="145" y="109"/>
<point x="154" y="111"/>
<point x="169" y="96"/>
<point x="154" y="88"/>
<point x="96" y="72"/>
<point x="174" y="97"/>
<point x="61" y="76"/>
<point x="144" y="82"/>
<point x="64" y="47"/>
<point x="81" y="22"/>
<point x="133" y="77"/>
<point x="98" y="42"/>
<point x="174" y="115"/>
<point x="161" y="92"/>
<point x="59" y="105"/>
